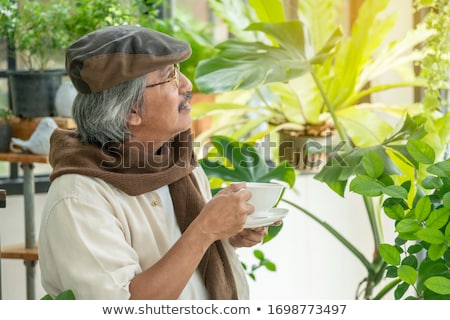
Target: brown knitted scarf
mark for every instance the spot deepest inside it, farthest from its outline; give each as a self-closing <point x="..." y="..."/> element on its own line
<point x="129" y="168"/>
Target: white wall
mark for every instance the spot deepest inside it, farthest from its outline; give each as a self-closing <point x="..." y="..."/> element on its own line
<point x="311" y="263"/>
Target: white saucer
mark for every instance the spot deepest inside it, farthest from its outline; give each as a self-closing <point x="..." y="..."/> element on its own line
<point x="269" y="217"/>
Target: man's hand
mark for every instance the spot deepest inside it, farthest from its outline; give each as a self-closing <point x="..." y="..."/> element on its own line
<point x="250" y="237"/>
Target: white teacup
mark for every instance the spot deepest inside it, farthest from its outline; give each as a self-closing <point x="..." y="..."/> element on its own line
<point x="264" y="196"/>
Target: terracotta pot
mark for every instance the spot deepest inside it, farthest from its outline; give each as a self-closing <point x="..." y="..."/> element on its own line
<point x="306" y="153"/>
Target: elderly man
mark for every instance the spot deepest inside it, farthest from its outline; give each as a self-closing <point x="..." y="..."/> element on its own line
<point x="129" y="214"/>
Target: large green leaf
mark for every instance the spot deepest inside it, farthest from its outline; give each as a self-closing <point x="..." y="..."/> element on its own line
<point x="432" y="236"/>
<point x="368" y="33"/>
<point x="438" y="218"/>
<point x="408" y="274"/>
<point x="268" y="10"/>
<point x="203" y="109"/>
<point x="390" y="254"/>
<point x="438" y="284"/>
<point x="319" y="18"/>
<point x="441" y="169"/>
<point x="372" y="164"/>
<point x="330" y="175"/>
<point x="366" y="186"/>
<point x="436" y="251"/>
<point x="395" y="192"/>
<point x="407" y="226"/>
<point x="421" y="151"/>
<point x="237" y="15"/>
<point x="423" y="208"/>
<point x="249" y="64"/>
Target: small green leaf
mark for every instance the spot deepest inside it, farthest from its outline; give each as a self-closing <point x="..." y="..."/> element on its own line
<point x="431" y="236"/>
<point x="270" y="266"/>
<point x="421" y="151"/>
<point x="441" y="169"/>
<point x="447" y="232"/>
<point x="258" y="254"/>
<point x="407" y="226"/>
<point x="66" y="295"/>
<point x="432" y="182"/>
<point x="438" y="218"/>
<point x="366" y="186"/>
<point x="400" y="290"/>
<point x="410" y="261"/>
<point x="446" y="200"/>
<point x="436" y="251"/>
<point x="395" y="212"/>
<point x="391" y="272"/>
<point x="272" y="232"/>
<point x="414" y="248"/>
<point x="372" y="164"/>
<point x="438" y="284"/>
<point x="390" y="254"/>
<point x="423" y="208"/>
<point x="408" y="274"/>
<point x="395" y="192"/>
<point x="399" y="242"/>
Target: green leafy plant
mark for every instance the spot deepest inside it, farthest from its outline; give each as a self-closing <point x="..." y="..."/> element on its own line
<point x="388" y="176"/>
<point x="262" y="262"/>
<point x="420" y="257"/>
<point x="88" y="15"/>
<point x="306" y="75"/>
<point x="39" y="31"/>
<point x="228" y="160"/>
<point x="26" y="24"/>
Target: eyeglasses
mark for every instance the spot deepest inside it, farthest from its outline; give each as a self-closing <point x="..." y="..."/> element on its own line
<point x="173" y="77"/>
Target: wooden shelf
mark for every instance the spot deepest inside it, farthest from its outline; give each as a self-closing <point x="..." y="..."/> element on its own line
<point x="24" y="128"/>
<point x="23" y="157"/>
<point x="18" y="251"/>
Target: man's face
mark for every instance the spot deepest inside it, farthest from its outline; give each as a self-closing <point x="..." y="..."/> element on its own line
<point x="166" y="111"/>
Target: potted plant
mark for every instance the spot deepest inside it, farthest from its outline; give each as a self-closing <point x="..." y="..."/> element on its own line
<point x="38" y="32"/>
<point x="26" y="25"/>
<point x="5" y="129"/>
<point x="302" y="80"/>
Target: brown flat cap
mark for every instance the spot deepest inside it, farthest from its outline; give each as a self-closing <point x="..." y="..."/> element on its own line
<point x="109" y="56"/>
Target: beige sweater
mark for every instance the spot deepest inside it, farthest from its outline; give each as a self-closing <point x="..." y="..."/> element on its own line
<point x="95" y="238"/>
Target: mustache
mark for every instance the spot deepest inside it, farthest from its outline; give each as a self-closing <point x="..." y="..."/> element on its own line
<point x="187" y="97"/>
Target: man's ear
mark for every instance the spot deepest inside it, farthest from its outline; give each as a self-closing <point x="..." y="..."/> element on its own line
<point x="134" y="119"/>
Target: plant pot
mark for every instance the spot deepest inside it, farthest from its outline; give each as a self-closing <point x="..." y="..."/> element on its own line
<point x="5" y="136"/>
<point x="33" y="93"/>
<point x="306" y="153"/>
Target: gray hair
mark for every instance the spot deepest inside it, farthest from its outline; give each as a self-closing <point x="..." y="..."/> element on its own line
<point x="102" y="117"/>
